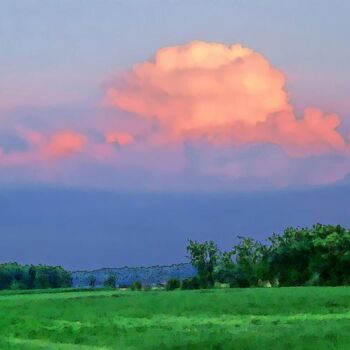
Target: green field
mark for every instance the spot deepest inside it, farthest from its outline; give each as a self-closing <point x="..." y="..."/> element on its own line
<point x="281" y="318"/>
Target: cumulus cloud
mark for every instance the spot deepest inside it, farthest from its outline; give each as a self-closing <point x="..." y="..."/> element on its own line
<point x="203" y="116"/>
<point x="226" y="94"/>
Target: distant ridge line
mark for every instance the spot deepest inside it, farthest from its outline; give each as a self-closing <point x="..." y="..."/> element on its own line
<point x="126" y="276"/>
<point x="130" y="267"/>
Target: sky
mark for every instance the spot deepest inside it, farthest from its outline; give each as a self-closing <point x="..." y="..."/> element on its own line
<point x="91" y="229"/>
<point x="172" y="97"/>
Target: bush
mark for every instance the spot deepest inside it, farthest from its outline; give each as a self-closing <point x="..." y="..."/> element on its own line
<point x="136" y="285"/>
<point x="190" y="283"/>
<point x="172" y="284"/>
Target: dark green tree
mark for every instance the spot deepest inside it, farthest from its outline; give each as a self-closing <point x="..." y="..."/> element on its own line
<point x="172" y="284"/>
<point x="203" y="257"/>
<point x="31" y="277"/>
<point x="250" y="262"/>
<point x="137" y="285"/>
<point x="16" y="276"/>
<point x="190" y="283"/>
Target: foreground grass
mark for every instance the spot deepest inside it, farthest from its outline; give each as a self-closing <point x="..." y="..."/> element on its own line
<point x="281" y="318"/>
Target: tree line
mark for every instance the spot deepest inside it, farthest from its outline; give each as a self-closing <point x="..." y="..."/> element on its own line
<point x="16" y="276"/>
<point x="319" y="255"/>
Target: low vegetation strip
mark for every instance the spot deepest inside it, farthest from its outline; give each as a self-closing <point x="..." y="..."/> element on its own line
<point x="254" y="318"/>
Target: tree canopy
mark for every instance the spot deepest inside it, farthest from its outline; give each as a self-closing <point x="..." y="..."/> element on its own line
<point x="319" y="255"/>
<point x="16" y="276"/>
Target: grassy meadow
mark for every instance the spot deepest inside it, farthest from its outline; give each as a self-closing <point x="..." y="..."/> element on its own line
<point x="270" y="318"/>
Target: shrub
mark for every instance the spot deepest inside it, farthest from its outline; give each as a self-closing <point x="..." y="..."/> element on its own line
<point x="172" y="284"/>
<point x="190" y="283"/>
<point x="136" y="285"/>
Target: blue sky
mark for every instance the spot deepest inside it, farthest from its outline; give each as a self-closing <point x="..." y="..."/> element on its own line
<point x="93" y="229"/>
<point x="80" y="41"/>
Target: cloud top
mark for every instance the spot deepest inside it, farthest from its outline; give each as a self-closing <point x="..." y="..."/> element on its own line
<point x="228" y="94"/>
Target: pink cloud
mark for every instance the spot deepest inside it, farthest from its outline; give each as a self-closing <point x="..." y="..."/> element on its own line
<point x="65" y="143"/>
<point x="227" y="94"/>
<point x="42" y="148"/>
<point x="314" y="134"/>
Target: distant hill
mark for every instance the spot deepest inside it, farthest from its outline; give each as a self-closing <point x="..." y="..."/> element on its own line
<point x="125" y="276"/>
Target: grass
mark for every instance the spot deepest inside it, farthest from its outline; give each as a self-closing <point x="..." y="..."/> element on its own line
<point x="281" y="318"/>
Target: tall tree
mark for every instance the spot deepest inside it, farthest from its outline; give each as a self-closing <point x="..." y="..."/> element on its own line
<point x="203" y="257"/>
